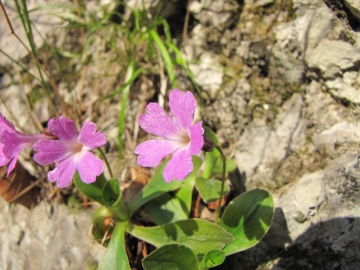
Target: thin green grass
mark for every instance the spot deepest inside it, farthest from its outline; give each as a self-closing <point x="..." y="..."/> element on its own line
<point x="141" y="47"/>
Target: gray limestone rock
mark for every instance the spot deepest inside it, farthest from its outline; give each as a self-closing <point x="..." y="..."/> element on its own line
<point x="346" y="87"/>
<point x="344" y="135"/>
<point x="46" y="237"/>
<point x="333" y="57"/>
<point x="354" y="7"/>
<point x="42" y="19"/>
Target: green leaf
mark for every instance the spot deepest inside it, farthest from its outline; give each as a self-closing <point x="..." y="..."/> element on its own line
<point x="247" y="218"/>
<point x="165" y="55"/>
<point x="164" y="209"/>
<point x="208" y="133"/>
<point x="211" y="259"/>
<point x="115" y="256"/>
<point x="155" y="188"/>
<point x="129" y="77"/>
<point x="184" y="194"/>
<point x="209" y="189"/>
<point x="94" y="190"/>
<point x="167" y="208"/>
<point x="199" y="235"/>
<point x="111" y="191"/>
<point x="171" y="257"/>
<point x="111" y="196"/>
<point x="210" y="160"/>
<point x="230" y="166"/>
<point x="210" y="157"/>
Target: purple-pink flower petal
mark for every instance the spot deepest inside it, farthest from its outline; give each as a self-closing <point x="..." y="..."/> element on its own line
<point x="71" y="151"/>
<point x="14" y="142"/>
<point x="5" y="125"/>
<point x="153" y="151"/>
<point x="50" y="151"/>
<point x="182" y="139"/>
<point x="63" y="173"/>
<point x="12" y="165"/>
<point x="89" y="167"/>
<point x="63" y="128"/>
<point x="157" y="122"/>
<point x="89" y="137"/>
<point x="179" y="166"/>
<point x="182" y="107"/>
<point x="3" y="159"/>
<point x="196" y="138"/>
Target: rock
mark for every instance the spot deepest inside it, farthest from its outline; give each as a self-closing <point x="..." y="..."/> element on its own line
<point x="262" y="149"/>
<point x="354" y="7"/>
<point x="332" y="57"/>
<point x="330" y="244"/>
<point x="208" y="73"/>
<point x="341" y="138"/>
<point x="164" y="9"/>
<point x="219" y="14"/>
<point x="195" y="7"/>
<point x="48" y="236"/>
<point x="286" y="59"/>
<point x="263" y="2"/>
<point x="345" y="88"/>
<point x="42" y="19"/>
<point x="309" y="193"/>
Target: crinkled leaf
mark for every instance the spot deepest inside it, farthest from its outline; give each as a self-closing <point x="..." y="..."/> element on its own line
<point x="94" y="190"/>
<point x="247" y="218"/>
<point x="199" y="235"/>
<point x="209" y="189"/>
<point x="115" y="257"/>
<point x="171" y="257"/>
<point x="211" y="259"/>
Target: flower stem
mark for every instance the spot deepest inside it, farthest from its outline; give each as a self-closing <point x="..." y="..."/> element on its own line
<point x="223" y="157"/>
<point x="102" y="154"/>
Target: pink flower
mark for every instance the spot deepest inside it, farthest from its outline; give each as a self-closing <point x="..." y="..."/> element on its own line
<point x="181" y="138"/>
<point x="71" y="151"/>
<point x="12" y="142"/>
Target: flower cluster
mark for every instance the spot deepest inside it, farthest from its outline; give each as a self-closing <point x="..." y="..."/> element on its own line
<point x="181" y="138"/>
<point x="72" y="150"/>
<point x="64" y="145"/>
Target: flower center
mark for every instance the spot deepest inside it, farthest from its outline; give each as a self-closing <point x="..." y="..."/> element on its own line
<point x="77" y="147"/>
<point x="184" y="139"/>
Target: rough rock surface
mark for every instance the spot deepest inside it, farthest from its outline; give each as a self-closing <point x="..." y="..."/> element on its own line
<point x="47" y="237"/>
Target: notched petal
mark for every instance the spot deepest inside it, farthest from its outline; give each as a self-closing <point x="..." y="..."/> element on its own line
<point x="196" y="138"/>
<point x="90" y="137"/>
<point x="179" y="166"/>
<point x="182" y="107"/>
<point x="157" y="122"/>
<point x="64" y="129"/>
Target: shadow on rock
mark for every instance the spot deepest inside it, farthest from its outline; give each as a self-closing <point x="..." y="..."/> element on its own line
<point x="330" y="245"/>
